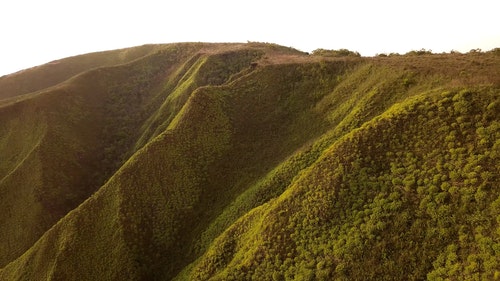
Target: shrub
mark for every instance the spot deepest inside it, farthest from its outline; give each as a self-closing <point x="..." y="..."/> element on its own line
<point x="335" y="53"/>
<point x="419" y="52"/>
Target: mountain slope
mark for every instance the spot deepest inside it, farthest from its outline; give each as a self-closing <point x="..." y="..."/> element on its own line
<point x="429" y="208"/>
<point x="55" y="72"/>
<point x="252" y="161"/>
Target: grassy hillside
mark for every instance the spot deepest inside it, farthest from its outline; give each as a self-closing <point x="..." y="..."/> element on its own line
<point x="251" y="161"/>
<point x="55" y="72"/>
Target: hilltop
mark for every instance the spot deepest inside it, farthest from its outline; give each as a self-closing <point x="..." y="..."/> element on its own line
<point x="204" y="161"/>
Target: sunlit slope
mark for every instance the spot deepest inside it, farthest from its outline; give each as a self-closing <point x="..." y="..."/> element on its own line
<point x="412" y="194"/>
<point x="256" y="246"/>
<point x="255" y="161"/>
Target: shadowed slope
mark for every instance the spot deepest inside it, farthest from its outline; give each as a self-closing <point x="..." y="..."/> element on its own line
<point x="59" y="128"/>
<point x="87" y="127"/>
<point x="56" y="150"/>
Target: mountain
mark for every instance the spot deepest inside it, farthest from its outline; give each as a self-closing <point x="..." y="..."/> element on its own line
<point x="232" y="161"/>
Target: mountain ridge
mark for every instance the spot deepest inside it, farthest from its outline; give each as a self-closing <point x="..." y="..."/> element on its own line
<point x="203" y="161"/>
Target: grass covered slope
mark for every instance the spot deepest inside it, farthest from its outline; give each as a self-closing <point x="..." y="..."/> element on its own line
<point x="55" y="72"/>
<point x="394" y="198"/>
<point x="254" y="161"/>
<point x="59" y="145"/>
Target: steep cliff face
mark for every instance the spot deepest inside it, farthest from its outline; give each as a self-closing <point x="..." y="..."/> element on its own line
<point x="250" y="161"/>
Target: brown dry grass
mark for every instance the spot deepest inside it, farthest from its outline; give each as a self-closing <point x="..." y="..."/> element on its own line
<point x="486" y="66"/>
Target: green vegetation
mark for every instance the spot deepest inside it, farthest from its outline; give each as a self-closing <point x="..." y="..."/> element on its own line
<point x="420" y="52"/>
<point x="335" y="53"/>
<point x="252" y="161"/>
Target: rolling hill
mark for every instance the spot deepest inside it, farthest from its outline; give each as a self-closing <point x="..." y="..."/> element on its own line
<point x="232" y="161"/>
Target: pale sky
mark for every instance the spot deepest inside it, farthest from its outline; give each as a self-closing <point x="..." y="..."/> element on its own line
<point x="34" y="32"/>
